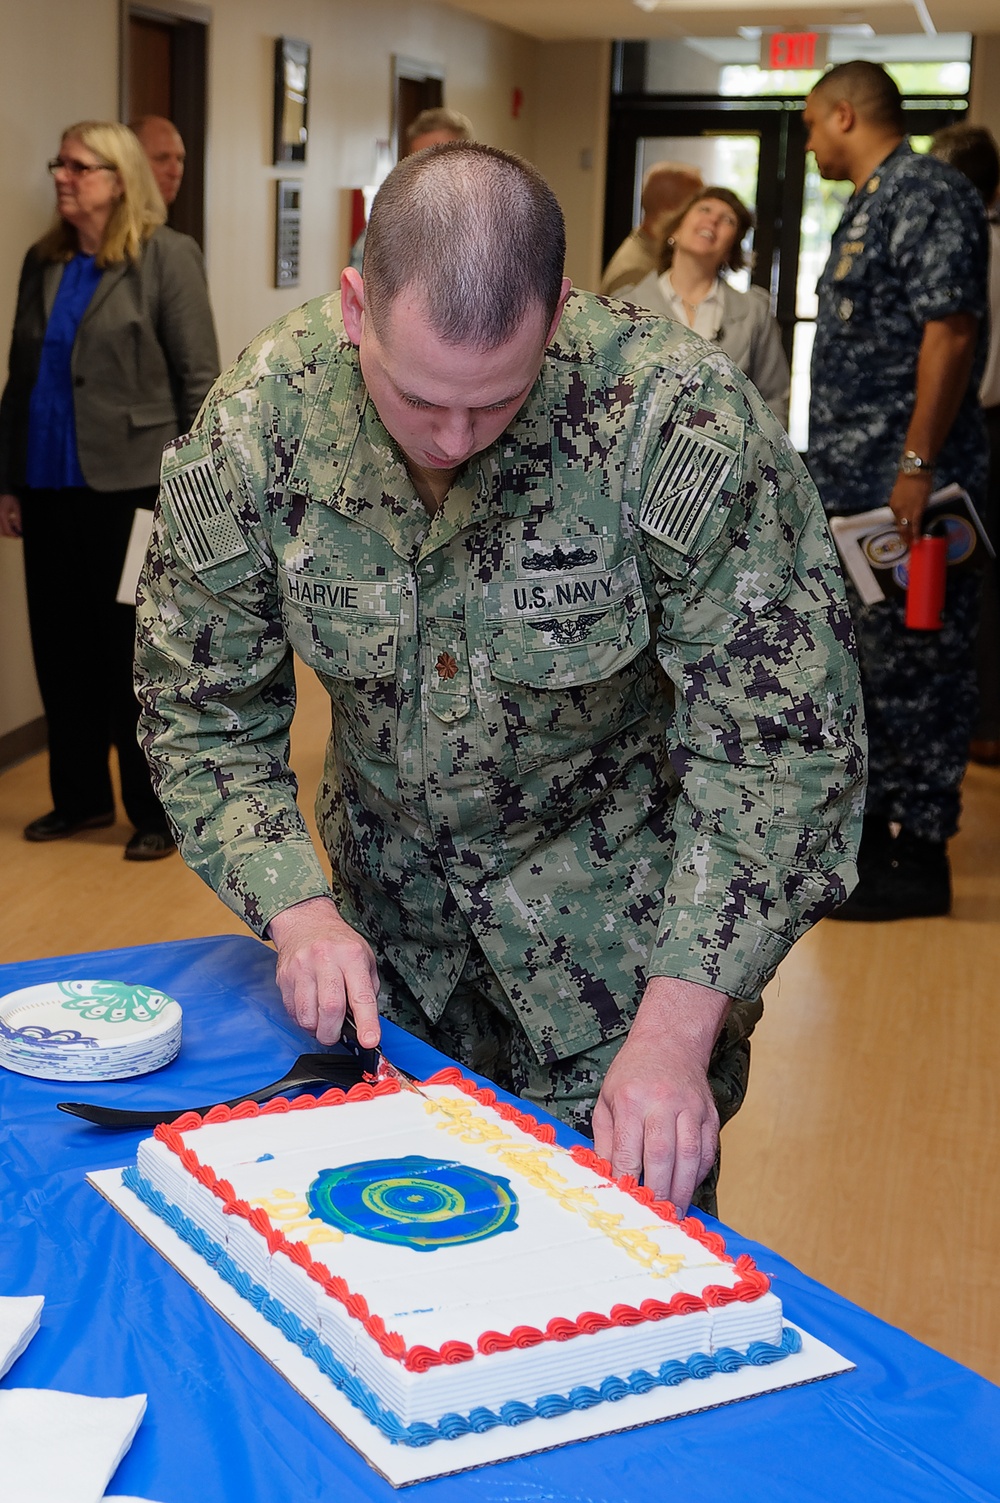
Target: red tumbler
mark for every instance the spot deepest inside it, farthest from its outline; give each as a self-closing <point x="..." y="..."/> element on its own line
<point x="928" y="563"/>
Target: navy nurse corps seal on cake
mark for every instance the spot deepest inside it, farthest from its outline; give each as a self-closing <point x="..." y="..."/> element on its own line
<point x="414" y="1202"/>
<point x="88" y="1030"/>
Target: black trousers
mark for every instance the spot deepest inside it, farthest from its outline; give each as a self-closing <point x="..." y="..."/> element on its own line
<point x="83" y="643"/>
<point x="920" y="704"/>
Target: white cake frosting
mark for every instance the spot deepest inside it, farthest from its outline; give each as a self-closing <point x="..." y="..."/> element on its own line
<point x="563" y="1279"/>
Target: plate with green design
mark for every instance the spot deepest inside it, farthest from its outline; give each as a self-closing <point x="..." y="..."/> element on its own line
<point x="88" y="1030"/>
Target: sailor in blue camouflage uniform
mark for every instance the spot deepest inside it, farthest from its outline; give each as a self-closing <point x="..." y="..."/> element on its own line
<point x="597" y="754"/>
<point x="899" y="350"/>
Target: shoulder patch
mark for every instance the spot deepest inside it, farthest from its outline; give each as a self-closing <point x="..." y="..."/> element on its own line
<point x="683" y="488"/>
<point x="206" y="530"/>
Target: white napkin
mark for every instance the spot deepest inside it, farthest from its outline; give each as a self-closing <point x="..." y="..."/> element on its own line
<point x="20" y="1317"/>
<point x="62" y="1447"/>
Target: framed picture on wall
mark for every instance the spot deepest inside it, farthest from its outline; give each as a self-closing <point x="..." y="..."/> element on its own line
<point x="291" y="100"/>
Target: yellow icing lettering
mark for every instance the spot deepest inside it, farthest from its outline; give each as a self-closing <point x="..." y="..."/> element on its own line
<point x="291" y="1216"/>
<point x="463" y="1123"/>
<point x="532" y="1164"/>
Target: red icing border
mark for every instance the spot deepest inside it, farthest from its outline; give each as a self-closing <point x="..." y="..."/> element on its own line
<point x="749" y="1287"/>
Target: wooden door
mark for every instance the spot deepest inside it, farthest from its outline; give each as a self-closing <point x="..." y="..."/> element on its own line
<point x="166" y="75"/>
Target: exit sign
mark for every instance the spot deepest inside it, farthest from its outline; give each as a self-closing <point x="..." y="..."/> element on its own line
<point x="792" y="49"/>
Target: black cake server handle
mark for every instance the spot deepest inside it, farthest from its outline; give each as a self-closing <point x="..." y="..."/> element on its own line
<point x="369" y="1058"/>
<point x="342" y="1070"/>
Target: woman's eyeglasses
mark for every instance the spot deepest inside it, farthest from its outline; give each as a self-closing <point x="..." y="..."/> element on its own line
<point x="75" y="168"/>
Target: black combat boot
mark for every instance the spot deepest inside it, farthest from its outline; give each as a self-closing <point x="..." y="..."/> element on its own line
<point x="906" y="878"/>
<point x="875" y="846"/>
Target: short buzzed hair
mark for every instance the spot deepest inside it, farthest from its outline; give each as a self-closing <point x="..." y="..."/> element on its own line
<point x="973" y="150"/>
<point x="478" y="232"/>
<point x="872" y="91"/>
<point x="439" y="119"/>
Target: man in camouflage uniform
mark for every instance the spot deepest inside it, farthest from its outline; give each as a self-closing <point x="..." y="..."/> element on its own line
<point x="595" y="706"/>
<point x="894" y="415"/>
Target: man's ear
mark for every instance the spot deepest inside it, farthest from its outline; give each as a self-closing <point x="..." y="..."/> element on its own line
<point x="844" y="116"/>
<point x="352" y="303"/>
<point x="567" y="287"/>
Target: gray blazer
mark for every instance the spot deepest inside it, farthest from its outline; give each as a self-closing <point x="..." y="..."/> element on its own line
<point x="144" y="358"/>
<point x="749" y="336"/>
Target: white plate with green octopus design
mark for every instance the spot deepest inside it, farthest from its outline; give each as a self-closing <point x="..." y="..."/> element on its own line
<point x="88" y="1030"/>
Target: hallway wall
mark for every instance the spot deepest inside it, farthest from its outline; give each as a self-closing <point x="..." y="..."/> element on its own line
<point x="353" y="43"/>
<point x="984" y="96"/>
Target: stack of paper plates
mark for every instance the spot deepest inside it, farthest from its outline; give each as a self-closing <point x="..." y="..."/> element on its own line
<point x="88" y="1030"/>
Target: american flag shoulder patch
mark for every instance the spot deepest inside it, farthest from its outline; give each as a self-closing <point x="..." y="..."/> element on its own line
<point x="683" y="488"/>
<point x="204" y="525"/>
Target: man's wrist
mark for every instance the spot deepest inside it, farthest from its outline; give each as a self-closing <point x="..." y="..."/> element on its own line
<point x="281" y="922"/>
<point x="686" y="1013"/>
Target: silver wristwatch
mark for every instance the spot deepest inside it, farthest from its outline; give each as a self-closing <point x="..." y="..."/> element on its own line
<point x="911" y="463"/>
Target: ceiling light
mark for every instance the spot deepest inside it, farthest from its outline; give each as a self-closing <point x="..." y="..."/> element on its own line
<point x="753" y="33"/>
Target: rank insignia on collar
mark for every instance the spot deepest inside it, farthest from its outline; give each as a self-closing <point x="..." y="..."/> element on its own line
<point x="446" y="665"/>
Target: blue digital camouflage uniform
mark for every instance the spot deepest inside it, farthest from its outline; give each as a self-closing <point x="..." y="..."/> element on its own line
<point x="597" y="719"/>
<point x="911" y="247"/>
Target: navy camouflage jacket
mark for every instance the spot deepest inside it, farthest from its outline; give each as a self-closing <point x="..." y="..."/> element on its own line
<point x="911" y="247"/>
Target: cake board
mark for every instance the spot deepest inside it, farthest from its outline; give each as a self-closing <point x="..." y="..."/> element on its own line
<point x="403" y="1465"/>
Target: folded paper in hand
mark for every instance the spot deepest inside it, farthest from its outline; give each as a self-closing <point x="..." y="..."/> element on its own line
<point x="876" y="557"/>
<point x="135" y="555"/>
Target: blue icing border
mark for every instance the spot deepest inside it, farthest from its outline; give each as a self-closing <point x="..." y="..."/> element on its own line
<point x="450" y="1426"/>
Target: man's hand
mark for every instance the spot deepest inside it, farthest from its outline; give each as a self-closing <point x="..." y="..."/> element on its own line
<point x="10" y="516"/>
<point x="324" y="967"/>
<point x="655" y="1115"/>
<point x="909" y="499"/>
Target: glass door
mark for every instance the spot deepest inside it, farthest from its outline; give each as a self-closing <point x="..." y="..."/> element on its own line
<point x="729" y="159"/>
<point x="733" y="148"/>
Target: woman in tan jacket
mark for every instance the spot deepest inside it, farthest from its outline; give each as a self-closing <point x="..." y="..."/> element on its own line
<point x="113" y="351"/>
<point x="700" y="242"/>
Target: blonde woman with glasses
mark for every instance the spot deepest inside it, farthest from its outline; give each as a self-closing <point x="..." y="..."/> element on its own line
<point x="112" y="353"/>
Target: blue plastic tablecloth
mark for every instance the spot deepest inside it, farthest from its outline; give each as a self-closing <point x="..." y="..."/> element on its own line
<point x="222" y="1425"/>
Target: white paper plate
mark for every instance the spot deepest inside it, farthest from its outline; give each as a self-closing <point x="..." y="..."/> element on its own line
<point x="88" y="1030"/>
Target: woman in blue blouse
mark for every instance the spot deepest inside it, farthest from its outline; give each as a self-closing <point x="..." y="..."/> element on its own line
<point x="113" y="351"/>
